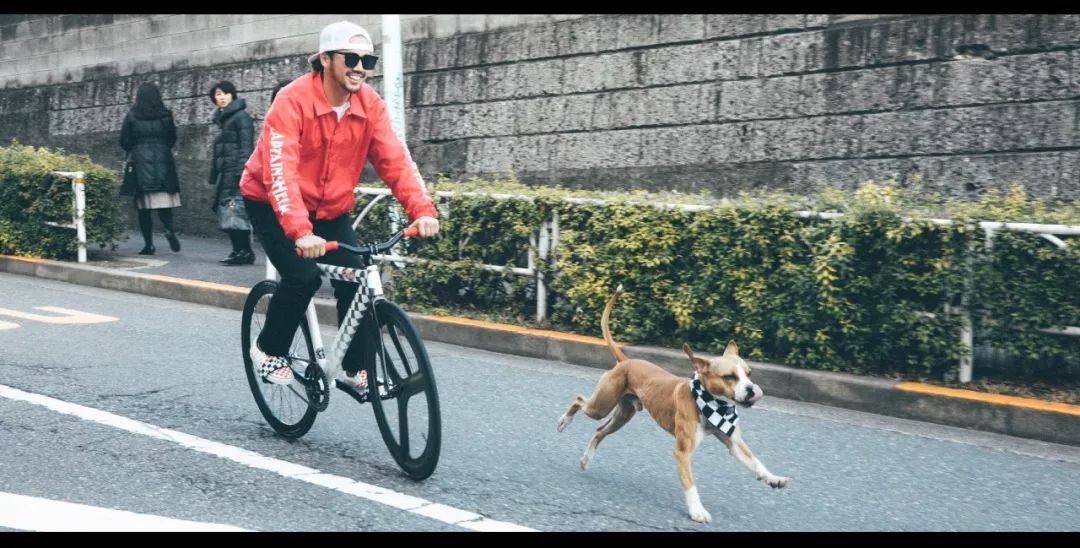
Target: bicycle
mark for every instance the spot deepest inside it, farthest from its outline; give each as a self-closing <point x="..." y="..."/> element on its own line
<point x="381" y="325"/>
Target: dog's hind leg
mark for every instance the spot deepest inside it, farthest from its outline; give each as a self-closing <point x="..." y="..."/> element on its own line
<point x="628" y="406"/>
<point x="568" y="415"/>
<point x="608" y="390"/>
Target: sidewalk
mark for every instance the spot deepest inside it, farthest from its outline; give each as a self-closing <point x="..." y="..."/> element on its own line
<point x="194" y="275"/>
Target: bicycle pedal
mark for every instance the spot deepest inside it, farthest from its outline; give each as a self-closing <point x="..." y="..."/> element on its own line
<point x="317" y="387"/>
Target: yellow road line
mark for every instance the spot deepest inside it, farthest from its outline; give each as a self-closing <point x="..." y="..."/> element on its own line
<point x="170" y="279"/>
<point x="197" y="283"/>
<point x="1030" y="403"/>
<point x="24" y="259"/>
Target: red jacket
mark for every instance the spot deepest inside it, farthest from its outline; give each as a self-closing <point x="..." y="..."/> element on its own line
<point x="307" y="162"/>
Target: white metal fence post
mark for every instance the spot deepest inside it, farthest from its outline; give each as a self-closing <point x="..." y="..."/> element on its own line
<point x="967" y="339"/>
<point x="78" y="214"/>
<point x="554" y="243"/>
<point x="531" y="265"/>
<point x="541" y="287"/>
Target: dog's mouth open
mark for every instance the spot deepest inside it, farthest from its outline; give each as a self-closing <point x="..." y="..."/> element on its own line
<point x="749" y="402"/>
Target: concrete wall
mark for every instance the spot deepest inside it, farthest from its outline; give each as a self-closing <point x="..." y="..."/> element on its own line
<point x="958" y="103"/>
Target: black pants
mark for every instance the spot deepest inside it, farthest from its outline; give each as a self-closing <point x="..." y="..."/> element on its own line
<point x="241" y="240"/>
<point x="300" y="278"/>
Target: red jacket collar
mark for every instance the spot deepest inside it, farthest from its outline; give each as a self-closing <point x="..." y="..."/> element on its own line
<point x="322" y="106"/>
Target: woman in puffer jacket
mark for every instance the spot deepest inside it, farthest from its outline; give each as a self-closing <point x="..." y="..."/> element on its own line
<point x="232" y="147"/>
<point x="148" y="135"/>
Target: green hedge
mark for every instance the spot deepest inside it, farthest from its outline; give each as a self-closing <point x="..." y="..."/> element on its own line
<point x="30" y="195"/>
<point x="850" y="294"/>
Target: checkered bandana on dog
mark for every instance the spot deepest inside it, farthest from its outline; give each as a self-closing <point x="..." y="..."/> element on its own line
<point x="718" y="412"/>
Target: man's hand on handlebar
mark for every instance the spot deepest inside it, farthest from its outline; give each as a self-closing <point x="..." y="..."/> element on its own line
<point x="311" y="246"/>
<point x="428" y="226"/>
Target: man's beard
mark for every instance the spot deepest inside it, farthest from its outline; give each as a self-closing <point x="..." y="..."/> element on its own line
<point x="346" y="82"/>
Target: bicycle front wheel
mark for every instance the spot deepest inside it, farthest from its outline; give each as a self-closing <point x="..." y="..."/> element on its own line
<point x="401" y="385"/>
<point x="285" y="407"/>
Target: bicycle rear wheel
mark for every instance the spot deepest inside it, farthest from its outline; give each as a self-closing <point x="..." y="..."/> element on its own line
<point x="407" y="405"/>
<point x="285" y="407"/>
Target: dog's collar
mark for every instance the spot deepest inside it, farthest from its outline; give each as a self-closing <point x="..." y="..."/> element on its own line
<point x="718" y="412"/>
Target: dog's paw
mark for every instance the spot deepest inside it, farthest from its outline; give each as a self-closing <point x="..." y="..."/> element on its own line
<point x="563" y="421"/>
<point x="585" y="462"/>
<point x="700" y="514"/>
<point x="776" y="482"/>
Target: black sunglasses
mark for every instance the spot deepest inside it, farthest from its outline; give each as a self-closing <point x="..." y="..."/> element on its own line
<point x="351" y="59"/>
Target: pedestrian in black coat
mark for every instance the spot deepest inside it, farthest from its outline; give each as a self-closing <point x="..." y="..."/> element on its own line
<point x="232" y="148"/>
<point x="148" y="135"/>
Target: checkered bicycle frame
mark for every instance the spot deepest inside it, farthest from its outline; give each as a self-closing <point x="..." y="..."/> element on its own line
<point x="369" y="292"/>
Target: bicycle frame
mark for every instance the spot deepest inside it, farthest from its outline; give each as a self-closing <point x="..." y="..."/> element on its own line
<point x="370" y="290"/>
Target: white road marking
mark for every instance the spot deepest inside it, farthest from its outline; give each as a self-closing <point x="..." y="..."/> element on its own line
<point x="66" y="316"/>
<point x="7" y="325"/>
<point x="38" y="514"/>
<point x="419" y="506"/>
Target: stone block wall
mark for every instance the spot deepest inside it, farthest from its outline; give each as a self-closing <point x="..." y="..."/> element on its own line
<point x="722" y="103"/>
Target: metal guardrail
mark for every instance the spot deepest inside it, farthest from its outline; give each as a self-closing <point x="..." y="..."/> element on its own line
<point x="543" y="240"/>
<point x="78" y="221"/>
<point x="548" y="237"/>
<point x="1047" y="232"/>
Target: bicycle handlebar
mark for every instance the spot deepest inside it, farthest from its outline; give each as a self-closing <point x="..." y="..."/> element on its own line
<point x="372" y="249"/>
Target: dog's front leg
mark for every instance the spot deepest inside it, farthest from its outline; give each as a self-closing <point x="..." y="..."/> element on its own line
<point x="738" y="449"/>
<point x="684" y="446"/>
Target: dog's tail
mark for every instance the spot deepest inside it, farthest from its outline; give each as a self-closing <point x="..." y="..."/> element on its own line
<point x="615" y="350"/>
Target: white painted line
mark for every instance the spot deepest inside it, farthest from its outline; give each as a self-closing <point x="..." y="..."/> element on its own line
<point x="415" y="505"/>
<point x="489" y="526"/>
<point x="7" y="325"/>
<point x="66" y="316"/>
<point x="448" y="514"/>
<point x="38" y="514"/>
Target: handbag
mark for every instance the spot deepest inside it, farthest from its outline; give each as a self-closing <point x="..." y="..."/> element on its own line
<point x="232" y="215"/>
<point x="131" y="181"/>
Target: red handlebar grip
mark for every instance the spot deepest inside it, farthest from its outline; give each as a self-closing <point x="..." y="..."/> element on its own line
<point x="412" y="232"/>
<point x="330" y="246"/>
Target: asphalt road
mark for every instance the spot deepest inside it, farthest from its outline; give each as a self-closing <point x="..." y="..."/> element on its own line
<point x="144" y="416"/>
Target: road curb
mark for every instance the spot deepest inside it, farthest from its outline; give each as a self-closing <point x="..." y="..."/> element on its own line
<point x="1022" y="417"/>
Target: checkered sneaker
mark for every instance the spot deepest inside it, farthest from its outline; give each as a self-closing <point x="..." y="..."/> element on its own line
<point x="271" y="364"/>
<point x="718" y="412"/>
<point x="266" y="365"/>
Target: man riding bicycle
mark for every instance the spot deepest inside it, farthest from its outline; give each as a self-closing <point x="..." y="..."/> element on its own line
<point x="298" y="185"/>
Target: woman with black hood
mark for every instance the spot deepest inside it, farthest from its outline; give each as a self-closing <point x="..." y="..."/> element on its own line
<point x="232" y="148"/>
<point x="148" y="135"/>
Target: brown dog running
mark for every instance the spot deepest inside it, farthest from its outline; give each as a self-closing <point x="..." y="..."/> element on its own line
<point x="632" y="384"/>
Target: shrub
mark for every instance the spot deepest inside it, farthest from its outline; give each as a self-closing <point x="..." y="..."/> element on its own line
<point x="31" y="194"/>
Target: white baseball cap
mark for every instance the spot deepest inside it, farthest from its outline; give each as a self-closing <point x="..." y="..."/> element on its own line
<point x="343" y="35"/>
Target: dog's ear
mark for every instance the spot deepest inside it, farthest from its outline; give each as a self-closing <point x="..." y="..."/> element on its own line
<point x="699" y="364"/>
<point x="732" y="349"/>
